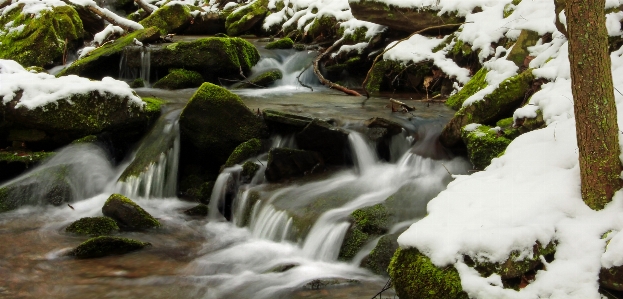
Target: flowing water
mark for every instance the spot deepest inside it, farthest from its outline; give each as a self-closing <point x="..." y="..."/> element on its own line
<point x="284" y="238"/>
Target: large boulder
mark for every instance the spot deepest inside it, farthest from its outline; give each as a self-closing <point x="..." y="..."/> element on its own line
<point x="284" y="163"/>
<point x="330" y="141"/>
<point x="213" y="123"/>
<point x="128" y="214"/>
<point x="401" y="18"/>
<point x="170" y="18"/>
<point x="105" y="245"/>
<point x="104" y="61"/>
<point x="245" y="18"/>
<point x="39" y="39"/>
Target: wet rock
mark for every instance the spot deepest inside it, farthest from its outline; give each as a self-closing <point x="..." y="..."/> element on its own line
<point x="483" y="144"/>
<point x="262" y="80"/>
<point x="379" y="258"/>
<point x="15" y="162"/>
<point x="285" y="123"/>
<point x="384" y="73"/>
<point x="128" y="214"/>
<point x="401" y="18"/>
<point x="495" y="106"/>
<point x="49" y="185"/>
<point x="94" y="226"/>
<point x="393" y="128"/>
<point x="104" y="61"/>
<point x="321" y="283"/>
<point x="380" y="131"/>
<point x="213" y="123"/>
<point x="249" y="169"/>
<point x="244" y="151"/>
<point x="58" y="194"/>
<point x="244" y="19"/>
<point x="414" y="276"/>
<point x="282" y="268"/>
<point x="284" y="43"/>
<point x="138" y="15"/>
<point x="172" y="18"/>
<point x="205" y="192"/>
<point x="104" y="246"/>
<point x="178" y="79"/>
<point x="137" y="83"/>
<point x="209" y="23"/>
<point x="367" y="223"/>
<point x="321" y="29"/>
<point x="43" y="39"/>
<point x="199" y="210"/>
<point x="284" y="163"/>
<point x="331" y="142"/>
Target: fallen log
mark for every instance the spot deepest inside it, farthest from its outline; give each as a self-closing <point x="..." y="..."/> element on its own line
<point x="327" y="82"/>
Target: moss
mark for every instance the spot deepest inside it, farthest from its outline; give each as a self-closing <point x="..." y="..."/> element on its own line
<point x="104" y="246"/>
<point x="178" y="79"/>
<point x="325" y="26"/>
<point x="415" y="276"/>
<point x="526" y="39"/>
<point x="137" y="83"/>
<point x="353" y="241"/>
<point x="444" y="43"/>
<point x="5" y="203"/>
<point x="475" y="84"/>
<point x="461" y="48"/>
<point x="90" y="65"/>
<point x="244" y="19"/>
<point x="379" y="258"/>
<point x="484" y="144"/>
<point x="118" y="204"/>
<point x="25" y="157"/>
<point x="153" y="104"/>
<point x="168" y="18"/>
<point x="378" y="73"/>
<point x="43" y="39"/>
<point x="249" y="169"/>
<point x="515" y="267"/>
<point x="505" y="123"/>
<point x="263" y="80"/>
<point x="367" y="222"/>
<point x="357" y="36"/>
<point x="284" y="43"/>
<point x="199" y="210"/>
<point x="138" y="15"/>
<point x="85" y="139"/>
<point x="95" y="226"/>
<point x="244" y="151"/>
<point x="36" y="69"/>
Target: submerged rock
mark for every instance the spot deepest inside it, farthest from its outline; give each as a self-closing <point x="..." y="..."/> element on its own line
<point x="330" y="141"/>
<point x="172" y="18"/>
<point x="39" y="40"/>
<point x="128" y="214"/>
<point x="284" y="163"/>
<point x="95" y="226"/>
<point x="178" y="79"/>
<point x="199" y="210"/>
<point x="262" y="80"/>
<point x="285" y="123"/>
<point x="104" y="246"/>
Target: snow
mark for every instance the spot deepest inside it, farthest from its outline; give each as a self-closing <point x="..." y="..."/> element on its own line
<point x="120" y="20"/>
<point x="101" y="36"/>
<point x="471" y="127"/>
<point x="40" y="89"/>
<point x="85" y="51"/>
<point x="33" y="7"/>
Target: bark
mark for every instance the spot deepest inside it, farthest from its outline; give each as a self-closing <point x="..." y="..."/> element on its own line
<point x="595" y="109"/>
<point x="326" y="82"/>
<point x="100" y="12"/>
<point x="146" y="7"/>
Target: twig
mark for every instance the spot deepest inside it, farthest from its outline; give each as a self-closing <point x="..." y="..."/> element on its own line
<point x="400" y="73"/>
<point x="444" y="166"/>
<point x="394" y="45"/>
<point x="65" y="53"/>
<point x="258" y="160"/>
<point x="327" y="82"/>
<point x="298" y="78"/>
<point x="386" y="287"/>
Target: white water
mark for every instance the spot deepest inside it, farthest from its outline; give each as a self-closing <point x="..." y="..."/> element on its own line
<point x="129" y="73"/>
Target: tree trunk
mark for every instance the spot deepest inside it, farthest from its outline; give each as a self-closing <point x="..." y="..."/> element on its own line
<point x="595" y="109"/>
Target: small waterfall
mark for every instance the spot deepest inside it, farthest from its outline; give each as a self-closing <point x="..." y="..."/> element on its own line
<point x="145" y="64"/>
<point x="222" y="186"/>
<point x="270" y="224"/>
<point x="291" y="63"/>
<point x="363" y="152"/>
<point x="126" y="72"/>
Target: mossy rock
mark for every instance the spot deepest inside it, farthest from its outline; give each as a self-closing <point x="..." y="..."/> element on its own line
<point x="285" y="123"/>
<point x="525" y="125"/>
<point x="379" y="258"/>
<point x="284" y="43"/>
<point x="200" y="210"/>
<point x="367" y="223"/>
<point x="414" y="276"/>
<point x="324" y="26"/>
<point x="128" y="214"/>
<point x="475" y="84"/>
<point x="513" y="267"/>
<point x="244" y="19"/>
<point x="178" y="79"/>
<point x="105" y="246"/>
<point x="25" y="157"/>
<point x="137" y="83"/>
<point x="484" y="144"/>
<point x="104" y="61"/>
<point x="493" y="107"/>
<point x="518" y="54"/>
<point x="213" y="123"/>
<point x="262" y="80"/>
<point x="244" y="151"/>
<point x="508" y="128"/>
<point x="285" y="163"/>
<point x="77" y="116"/>
<point x="138" y="15"/>
<point x="384" y="72"/>
<point x="169" y="18"/>
<point x="249" y="169"/>
<point x="94" y="226"/>
<point x="330" y="141"/>
<point x="43" y="39"/>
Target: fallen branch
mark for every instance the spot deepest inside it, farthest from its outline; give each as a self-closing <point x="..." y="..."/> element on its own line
<point x="241" y="81"/>
<point x="148" y="8"/>
<point x="365" y="81"/>
<point x="114" y="19"/>
<point x="402" y="105"/>
<point x="298" y="78"/>
<point x="327" y="82"/>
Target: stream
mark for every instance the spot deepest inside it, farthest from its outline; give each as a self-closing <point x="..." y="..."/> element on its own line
<point x="263" y="252"/>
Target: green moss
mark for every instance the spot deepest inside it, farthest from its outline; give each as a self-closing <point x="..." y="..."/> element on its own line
<point x="5" y="203"/>
<point x="178" y="79"/>
<point x="284" y="43"/>
<point x="379" y="258"/>
<point x="153" y="104"/>
<point x="444" y="43"/>
<point x="415" y="276"/>
<point x="378" y="73"/>
<point x="168" y="18"/>
<point x="199" y="210"/>
<point x="475" y="84"/>
<point x="43" y="39"/>
<point x="244" y="19"/>
<point x="138" y="15"/>
<point x="137" y="83"/>
<point x="367" y="223"/>
<point x="505" y="123"/>
<point x="140" y="220"/>
<point x="526" y="39"/>
<point x="353" y="241"/>
<point x="25" y="157"/>
<point x="249" y="169"/>
<point x="516" y="265"/>
<point x="95" y="226"/>
<point x="104" y="246"/>
<point x="461" y="48"/>
<point x="484" y="144"/>
<point x="358" y="36"/>
<point x="325" y="26"/>
<point x="85" y="139"/>
<point x="244" y="151"/>
<point x="91" y="64"/>
<point x="263" y="80"/>
<point x="36" y="69"/>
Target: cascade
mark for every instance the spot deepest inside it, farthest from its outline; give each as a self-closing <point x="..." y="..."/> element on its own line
<point x="129" y="73"/>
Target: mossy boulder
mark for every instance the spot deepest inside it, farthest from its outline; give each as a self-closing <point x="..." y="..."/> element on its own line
<point x="483" y="144"/>
<point x="330" y="141"/>
<point x="137" y="83"/>
<point x="321" y="28"/>
<point x="105" y="246"/>
<point x="475" y="84"/>
<point x="104" y="61"/>
<point x="94" y="226"/>
<point x="200" y="210"/>
<point x="514" y="267"/>
<point x="212" y="57"/>
<point x="249" y="169"/>
<point x="415" y="276"/>
<point x="128" y="214"/>
<point x="284" y="43"/>
<point x="172" y="18"/>
<point x="213" y="123"/>
<point x="518" y="54"/>
<point x="285" y="123"/>
<point x="244" y="151"/>
<point x="284" y="163"/>
<point x="262" y="80"/>
<point x="379" y="258"/>
<point x="16" y="161"/>
<point x="493" y="107"/>
<point x="138" y="15"/>
<point x="178" y="79"/>
<point x="367" y="223"/>
<point x="244" y="19"/>
<point x="398" y="18"/>
<point x="43" y="39"/>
